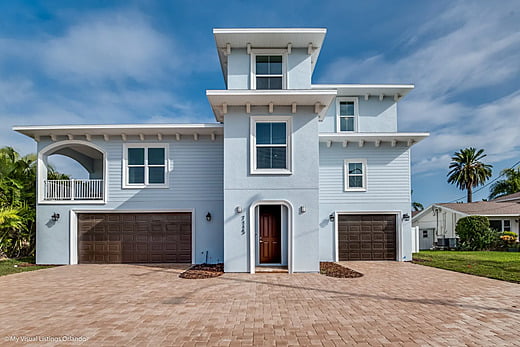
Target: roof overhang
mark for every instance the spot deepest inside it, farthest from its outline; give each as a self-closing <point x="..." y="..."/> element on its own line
<point x="377" y="138"/>
<point x="251" y="38"/>
<point x="220" y="100"/>
<point x="397" y="91"/>
<point x="123" y="130"/>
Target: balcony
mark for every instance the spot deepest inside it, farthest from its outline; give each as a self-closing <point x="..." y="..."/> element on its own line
<point x="73" y="189"/>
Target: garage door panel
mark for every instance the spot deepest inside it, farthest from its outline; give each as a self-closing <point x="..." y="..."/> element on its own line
<point x="367" y="237"/>
<point x="134" y="238"/>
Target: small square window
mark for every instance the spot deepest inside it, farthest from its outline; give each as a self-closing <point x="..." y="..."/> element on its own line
<point x="145" y="165"/>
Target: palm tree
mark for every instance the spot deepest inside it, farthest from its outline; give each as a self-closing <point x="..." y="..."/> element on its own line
<point x="467" y="171"/>
<point x="509" y="185"/>
<point x="417" y="206"/>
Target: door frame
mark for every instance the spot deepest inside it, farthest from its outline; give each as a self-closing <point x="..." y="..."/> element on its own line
<point x="283" y="237"/>
<point x="253" y="232"/>
<point x="73" y="227"/>
<point x="398" y="230"/>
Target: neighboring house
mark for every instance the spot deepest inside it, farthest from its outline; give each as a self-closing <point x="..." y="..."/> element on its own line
<point x="292" y="174"/>
<point x="437" y="222"/>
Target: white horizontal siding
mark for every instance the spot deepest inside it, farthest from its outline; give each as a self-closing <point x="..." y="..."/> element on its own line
<point x="388" y="174"/>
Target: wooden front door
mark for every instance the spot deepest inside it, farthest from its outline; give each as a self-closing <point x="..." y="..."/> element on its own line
<point x="270" y="235"/>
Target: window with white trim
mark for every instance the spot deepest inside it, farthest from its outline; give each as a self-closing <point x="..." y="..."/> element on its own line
<point x="268" y="69"/>
<point x="347" y="114"/>
<point x="145" y="166"/>
<point x="355" y="175"/>
<point x="500" y="224"/>
<point x="271" y="145"/>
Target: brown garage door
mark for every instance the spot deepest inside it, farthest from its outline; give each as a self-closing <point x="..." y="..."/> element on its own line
<point x="367" y="237"/>
<point x="134" y="238"/>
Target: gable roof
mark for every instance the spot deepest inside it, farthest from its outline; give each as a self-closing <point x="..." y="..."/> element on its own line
<point x="514" y="196"/>
<point x="485" y="208"/>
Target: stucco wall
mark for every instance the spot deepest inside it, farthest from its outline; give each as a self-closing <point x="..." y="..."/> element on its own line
<point x="374" y="115"/>
<point x="243" y="189"/>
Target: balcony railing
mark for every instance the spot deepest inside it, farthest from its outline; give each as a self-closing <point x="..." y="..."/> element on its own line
<point x="73" y="190"/>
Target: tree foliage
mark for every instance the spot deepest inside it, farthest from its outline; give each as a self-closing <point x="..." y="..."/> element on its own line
<point x="475" y="234"/>
<point x="18" y="202"/>
<point x="509" y="185"/>
<point x="468" y="171"/>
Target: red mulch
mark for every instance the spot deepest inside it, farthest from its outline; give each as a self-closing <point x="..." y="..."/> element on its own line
<point x="201" y="271"/>
<point x="331" y="269"/>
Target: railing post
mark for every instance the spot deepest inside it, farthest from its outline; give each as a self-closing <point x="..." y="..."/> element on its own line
<point x="72" y="189"/>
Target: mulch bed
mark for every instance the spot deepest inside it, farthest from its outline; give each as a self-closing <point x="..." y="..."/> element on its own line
<point x="331" y="269"/>
<point x="25" y="265"/>
<point x="201" y="271"/>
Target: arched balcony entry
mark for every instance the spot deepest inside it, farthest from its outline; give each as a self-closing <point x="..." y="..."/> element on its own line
<point x="91" y="157"/>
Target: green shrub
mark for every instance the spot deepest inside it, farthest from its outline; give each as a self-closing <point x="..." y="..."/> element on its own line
<point x="475" y="234"/>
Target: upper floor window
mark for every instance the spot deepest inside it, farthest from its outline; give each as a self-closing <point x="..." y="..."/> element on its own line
<point x="355" y="175"/>
<point x="268" y="69"/>
<point x="347" y="114"/>
<point x="269" y="72"/>
<point x="271" y="145"/>
<point x="145" y="165"/>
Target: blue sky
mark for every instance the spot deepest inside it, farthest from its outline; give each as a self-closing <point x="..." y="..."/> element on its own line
<point x="96" y="62"/>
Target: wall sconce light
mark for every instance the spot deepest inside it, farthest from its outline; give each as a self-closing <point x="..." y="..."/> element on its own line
<point x="208" y="217"/>
<point x="332" y="217"/>
<point x="238" y="209"/>
<point x="303" y="209"/>
<point x="55" y="216"/>
<point x="406" y="217"/>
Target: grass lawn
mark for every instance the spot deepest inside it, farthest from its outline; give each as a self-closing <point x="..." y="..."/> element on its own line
<point x="8" y="267"/>
<point x="500" y="265"/>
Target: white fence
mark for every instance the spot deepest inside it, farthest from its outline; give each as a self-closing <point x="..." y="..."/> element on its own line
<point x="73" y="189"/>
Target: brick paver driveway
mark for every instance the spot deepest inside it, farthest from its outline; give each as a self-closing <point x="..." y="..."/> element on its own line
<point x="394" y="303"/>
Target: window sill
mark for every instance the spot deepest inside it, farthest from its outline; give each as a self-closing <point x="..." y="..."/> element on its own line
<point x="270" y="172"/>
<point x="162" y="186"/>
<point x="355" y="190"/>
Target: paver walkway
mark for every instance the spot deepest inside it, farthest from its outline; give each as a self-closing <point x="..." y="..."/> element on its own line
<point x="393" y="304"/>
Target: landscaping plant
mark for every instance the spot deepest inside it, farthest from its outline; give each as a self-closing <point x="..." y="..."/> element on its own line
<point x="475" y="234"/>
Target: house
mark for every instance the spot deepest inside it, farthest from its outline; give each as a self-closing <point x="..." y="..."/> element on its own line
<point x="437" y="222"/>
<point x="292" y="173"/>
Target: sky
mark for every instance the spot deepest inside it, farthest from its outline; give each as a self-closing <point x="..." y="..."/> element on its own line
<point x="110" y="62"/>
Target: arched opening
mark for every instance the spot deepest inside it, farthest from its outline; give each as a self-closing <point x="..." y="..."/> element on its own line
<point x="271" y="234"/>
<point x="82" y="162"/>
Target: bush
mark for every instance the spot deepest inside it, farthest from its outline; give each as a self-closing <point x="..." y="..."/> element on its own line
<point x="508" y="240"/>
<point x="475" y="234"/>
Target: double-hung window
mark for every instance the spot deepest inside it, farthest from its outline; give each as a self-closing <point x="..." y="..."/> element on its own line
<point x="145" y="165"/>
<point x="355" y="175"/>
<point x="271" y="145"/>
<point x="268" y="71"/>
<point x="347" y="114"/>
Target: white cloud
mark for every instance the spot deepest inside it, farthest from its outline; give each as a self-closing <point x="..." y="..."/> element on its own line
<point x="469" y="46"/>
<point x="110" y="47"/>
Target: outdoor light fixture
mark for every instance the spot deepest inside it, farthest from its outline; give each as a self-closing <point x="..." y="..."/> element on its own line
<point x="238" y="209"/>
<point x="406" y="217"/>
<point x="332" y="217"/>
<point x="208" y="217"/>
<point x="303" y="209"/>
<point x="55" y="217"/>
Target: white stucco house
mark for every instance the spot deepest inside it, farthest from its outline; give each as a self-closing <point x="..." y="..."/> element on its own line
<point x="437" y="222"/>
<point x="291" y="173"/>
